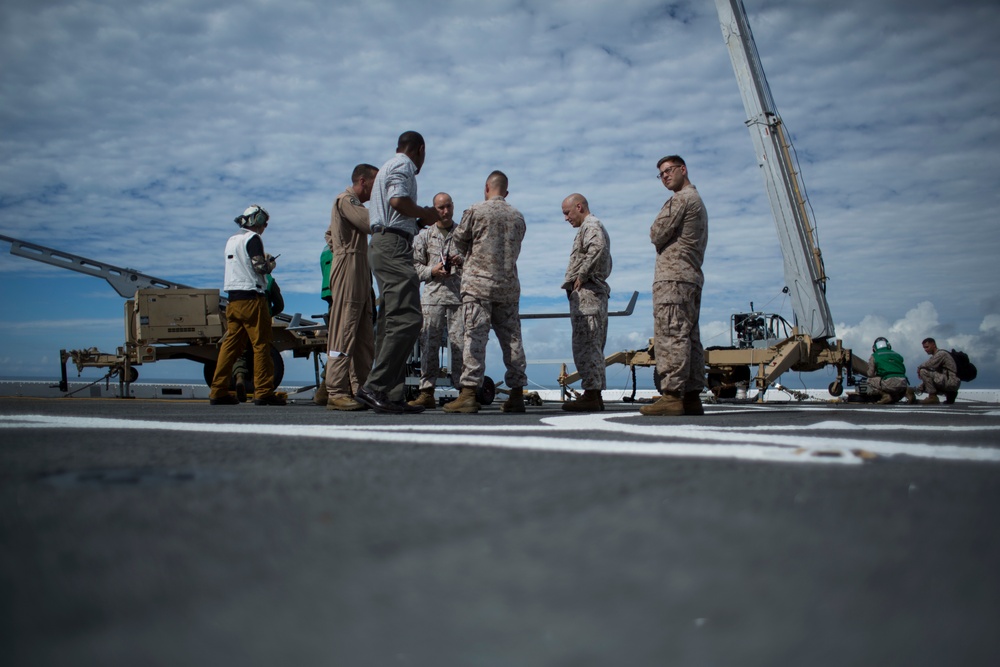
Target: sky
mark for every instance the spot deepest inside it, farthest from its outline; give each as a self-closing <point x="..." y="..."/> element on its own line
<point x="133" y="132"/>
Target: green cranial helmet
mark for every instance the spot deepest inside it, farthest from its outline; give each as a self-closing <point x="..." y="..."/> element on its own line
<point x="254" y="216"/>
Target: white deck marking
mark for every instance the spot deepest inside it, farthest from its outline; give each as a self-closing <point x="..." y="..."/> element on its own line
<point x="785" y="444"/>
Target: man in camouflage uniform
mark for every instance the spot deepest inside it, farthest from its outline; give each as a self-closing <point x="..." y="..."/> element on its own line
<point x="939" y="374"/>
<point x="490" y="236"/>
<point x="350" y="341"/>
<point x="680" y="234"/>
<point x="886" y="373"/>
<point x="586" y="285"/>
<point x="438" y="265"/>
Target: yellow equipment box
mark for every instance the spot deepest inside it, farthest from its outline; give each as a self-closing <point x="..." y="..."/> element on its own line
<point x="177" y="316"/>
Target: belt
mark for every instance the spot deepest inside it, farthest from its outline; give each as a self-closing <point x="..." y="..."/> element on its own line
<point x="377" y="229"/>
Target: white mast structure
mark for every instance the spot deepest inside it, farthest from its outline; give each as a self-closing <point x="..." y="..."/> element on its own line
<point x="805" y="275"/>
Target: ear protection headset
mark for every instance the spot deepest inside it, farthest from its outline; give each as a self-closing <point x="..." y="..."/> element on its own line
<point x="883" y="340"/>
<point x="254" y="216"/>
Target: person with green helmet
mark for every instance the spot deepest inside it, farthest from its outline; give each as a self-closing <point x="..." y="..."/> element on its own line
<point x="887" y="381"/>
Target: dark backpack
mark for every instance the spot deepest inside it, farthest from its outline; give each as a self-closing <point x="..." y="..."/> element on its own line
<point x="967" y="371"/>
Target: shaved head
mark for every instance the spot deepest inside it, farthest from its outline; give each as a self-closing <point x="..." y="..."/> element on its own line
<point x="497" y="183"/>
<point x="575" y="209"/>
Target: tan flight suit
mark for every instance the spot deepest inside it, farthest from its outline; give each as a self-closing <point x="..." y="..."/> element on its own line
<point x="590" y="261"/>
<point x="680" y="234"/>
<point x="351" y="339"/>
<point x="441" y="305"/>
<point x="490" y="236"/>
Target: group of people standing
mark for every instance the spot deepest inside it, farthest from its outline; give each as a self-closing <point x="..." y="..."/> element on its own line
<point x="472" y="287"/>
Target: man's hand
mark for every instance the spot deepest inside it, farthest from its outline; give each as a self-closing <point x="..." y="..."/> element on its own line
<point x="438" y="271"/>
<point x="428" y="216"/>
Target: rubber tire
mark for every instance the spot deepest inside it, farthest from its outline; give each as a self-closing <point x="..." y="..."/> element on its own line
<point x="486" y="393"/>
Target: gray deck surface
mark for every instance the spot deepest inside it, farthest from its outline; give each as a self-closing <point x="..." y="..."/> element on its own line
<point x="144" y="532"/>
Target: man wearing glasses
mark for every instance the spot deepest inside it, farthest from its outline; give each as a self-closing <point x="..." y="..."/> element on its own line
<point x="679" y="234"/>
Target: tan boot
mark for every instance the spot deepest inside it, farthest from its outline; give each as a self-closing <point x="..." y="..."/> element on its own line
<point x="466" y="402"/>
<point x="911" y="396"/>
<point x="591" y="401"/>
<point x="931" y="399"/>
<point x="671" y="404"/>
<point x="344" y="404"/>
<point x="885" y="399"/>
<point x="320" y="396"/>
<point x="692" y="404"/>
<point x="425" y="399"/>
<point x="516" y="401"/>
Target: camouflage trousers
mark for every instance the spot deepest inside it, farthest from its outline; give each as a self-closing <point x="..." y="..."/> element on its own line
<point x="589" y="317"/>
<point x="894" y="387"/>
<point x="935" y="382"/>
<point x="480" y="316"/>
<point x="444" y="326"/>
<point x="680" y="358"/>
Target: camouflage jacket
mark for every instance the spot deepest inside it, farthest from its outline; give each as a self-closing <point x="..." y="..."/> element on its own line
<point x="680" y="234"/>
<point x="430" y="248"/>
<point x="590" y="258"/>
<point x="490" y="238"/>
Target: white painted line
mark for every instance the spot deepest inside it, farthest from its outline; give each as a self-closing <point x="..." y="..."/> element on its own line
<point x="478" y="437"/>
<point x="777" y="436"/>
<point x="778" y="443"/>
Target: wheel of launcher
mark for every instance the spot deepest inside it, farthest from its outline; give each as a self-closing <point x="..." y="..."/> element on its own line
<point x="486" y="393"/>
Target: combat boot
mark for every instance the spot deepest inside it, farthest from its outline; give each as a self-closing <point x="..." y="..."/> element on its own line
<point x="241" y="387"/>
<point x="950" y="396"/>
<point x="591" y="401"/>
<point x="692" y="404"/>
<point x="671" y="404"/>
<point x="516" y="401"/>
<point x="466" y="402"/>
<point x="320" y="396"/>
<point x="911" y="396"/>
<point x="425" y="399"/>
<point x="885" y="399"/>
<point x="344" y="404"/>
<point x="932" y="399"/>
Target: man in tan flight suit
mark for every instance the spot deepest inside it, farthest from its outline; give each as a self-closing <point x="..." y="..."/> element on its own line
<point x="351" y="338"/>
<point x="438" y="266"/>
<point x="490" y="236"/>
<point x="679" y="234"/>
<point x="586" y="285"/>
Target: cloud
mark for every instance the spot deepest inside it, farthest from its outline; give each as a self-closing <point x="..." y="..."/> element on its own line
<point x="906" y="334"/>
<point x="133" y="133"/>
